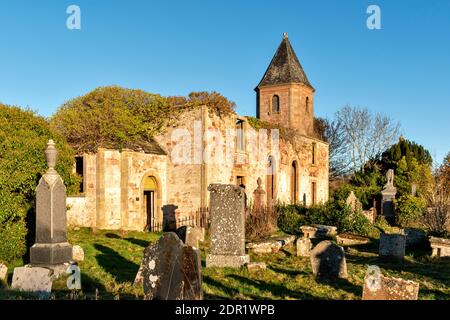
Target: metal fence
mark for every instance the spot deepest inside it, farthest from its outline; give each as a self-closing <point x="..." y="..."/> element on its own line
<point x="199" y="219"/>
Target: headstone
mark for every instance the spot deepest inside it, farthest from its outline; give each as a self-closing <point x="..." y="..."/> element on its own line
<point x="271" y="245"/>
<point x="347" y="239"/>
<point x="388" y="196"/>
<point x="256" y="266"/>
<point x="139" y="279"/>
<point x="414" y="237"/>
<point x="51" y="246"/>
<point x="318" y="231"/>
<point x="328" y="260"/>
<point x="34" y="280"/>
<point x="441" y="247"/>
<point x="191" y="235"/>
<point x="172" y="270"/>
<point x="392" y="246"/>
<point x="3" y="272"/>
<point x="227" y="214"/>
<point x="353" y="202"/>
<point x="259" y="196"/>
<point x="304" y="247"/>
<point x="77" y="254"/>
<point x="379" y="287"/>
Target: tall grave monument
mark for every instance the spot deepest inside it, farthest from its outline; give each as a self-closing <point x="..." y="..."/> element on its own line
<point x="388" y="196"/>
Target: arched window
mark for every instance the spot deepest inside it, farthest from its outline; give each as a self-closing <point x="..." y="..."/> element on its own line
<point x="294" y="183"/>
<point x="307" y="104"/>
<point x="275" y="104"/>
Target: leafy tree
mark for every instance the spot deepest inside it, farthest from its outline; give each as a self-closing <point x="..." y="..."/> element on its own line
<point x="23" y="139"/>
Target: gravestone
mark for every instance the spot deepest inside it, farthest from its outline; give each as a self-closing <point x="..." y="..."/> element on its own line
<point x="139" y="279"/>
<point x="227" y="214"/>
<point x="353" y="202"/>
<point x="259" y="196"/>
<point x="3" y="272"/>
<point x="379" y="287"/>
<point x="328" y="260"/>
<point x="191" y="235"/>
<point x="441" y="247"/>
<point x="172" y="270"/>
<point x="414" y="237"/>
<point x="304" y="247"/>
<point x="51" y="247"/>
<point x="392" y="246"/>
<point x="348" y="239"/>
<point x="77" y="254"/>
<point x="318" y="231"/>
<point x="388" y="196"/>
<point x="34" y="280"/>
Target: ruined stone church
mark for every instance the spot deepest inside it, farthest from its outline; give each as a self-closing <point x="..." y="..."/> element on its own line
<point x="136" y="189"/>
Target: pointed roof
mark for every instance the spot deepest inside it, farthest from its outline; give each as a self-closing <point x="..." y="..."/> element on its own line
<point x="284" y="67"/>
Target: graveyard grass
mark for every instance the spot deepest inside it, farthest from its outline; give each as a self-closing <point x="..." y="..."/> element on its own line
<point x="112" y="260"/>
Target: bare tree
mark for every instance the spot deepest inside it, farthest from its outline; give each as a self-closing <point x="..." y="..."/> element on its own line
<point x="363" y="135"/>
<point x="333" y="133"/>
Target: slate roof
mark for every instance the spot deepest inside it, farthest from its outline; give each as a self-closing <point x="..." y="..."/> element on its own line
<point x="151" y="147"/>
<point x="284" y="67"/>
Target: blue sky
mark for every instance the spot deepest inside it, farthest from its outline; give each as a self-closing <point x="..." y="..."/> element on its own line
<point x="175" y="47"/>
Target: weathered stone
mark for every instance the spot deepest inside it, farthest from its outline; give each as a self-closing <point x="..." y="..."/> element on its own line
<point x="392" y="246"/>
<point x="414" y="237"/>
<point x="191" y="235"/>
<point x="172" y="270"/>
<point x="259" y="197"/>
<point x="3" y="272"/>
<point x="77" y="253"/>
<point x="388" y="196"/>
<point x="441" y="247"/>
<point x="51" y="246"/>
<point x="353" y="202"/>
<point x="256" y="266"/>
<point x="227" y="214"/>
<point x="370" y="214"/>
<point x="379" y="287"/>
<point x="270" y="245"/>
<point x="304" y="247"/>
<point x="328" y="260"/>
<point x="139" y="279"/>
<point x="34" y="280"/>
<point x="318" y="231"/>
<point x="347" y="239"/>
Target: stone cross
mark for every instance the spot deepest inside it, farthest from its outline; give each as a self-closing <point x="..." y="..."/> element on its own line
<point x="51" y="247"/>
<point x="227" y="213"/>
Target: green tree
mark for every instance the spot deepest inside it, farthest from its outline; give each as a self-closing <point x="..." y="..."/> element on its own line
<point x="23" y="139"/>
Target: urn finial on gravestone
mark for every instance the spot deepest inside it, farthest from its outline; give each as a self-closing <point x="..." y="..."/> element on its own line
<point x="51" y="247"/>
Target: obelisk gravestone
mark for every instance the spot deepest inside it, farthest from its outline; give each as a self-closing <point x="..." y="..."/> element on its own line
<point x="51" y="247"/>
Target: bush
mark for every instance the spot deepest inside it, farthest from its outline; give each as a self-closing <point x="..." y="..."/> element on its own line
<point x="259" y="225"/>
<point x="409" y="210"/>
<point x="23" y="139"/>
<point x="333" y="213"/>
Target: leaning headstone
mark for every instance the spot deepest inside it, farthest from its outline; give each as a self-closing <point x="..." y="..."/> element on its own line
<point x="353" y="202"/>
<point x="441" y="247"/>
<point x="392" y="246"/>
<point x="33" y="280"/>
<point x="304" y="247"/>
<point x="77" y="253"/>
<point x="191" y="235"/>
<point x="3" y="272"/>
<point x="227" y="214"/>
<point x="51" y="246"/>
<point x="388" y="196"/>
<point x="379" y="287"/>
<point x="328" y="260"/>
<point x="172" y="270"/>
<point x="414" y="237"/>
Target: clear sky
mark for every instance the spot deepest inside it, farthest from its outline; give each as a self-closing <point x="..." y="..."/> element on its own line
<point x="175" y="47"/>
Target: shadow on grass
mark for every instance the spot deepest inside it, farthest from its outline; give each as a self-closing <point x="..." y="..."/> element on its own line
<point x="289" y="272"/>
<point x="112" y="236"/>
<point x="341" y="284"/>
<point x="138" y="242"/>
<point x="275" y="289"/>
<point x="112" y="262"/>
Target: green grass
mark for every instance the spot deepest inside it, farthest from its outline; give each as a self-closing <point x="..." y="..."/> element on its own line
<point x="112" y="260"/>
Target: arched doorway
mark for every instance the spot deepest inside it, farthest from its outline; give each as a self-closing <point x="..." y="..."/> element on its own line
<point x="294" y="182"/>
<point x="271" y="181"/>
<point x="150" y="201"/>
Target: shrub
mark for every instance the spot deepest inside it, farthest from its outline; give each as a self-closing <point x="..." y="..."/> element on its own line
<point x="409" y="209"/>
<point x="289" y="218"/>
<point x="23" y="139"/>
<point x="260" y="224"/>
